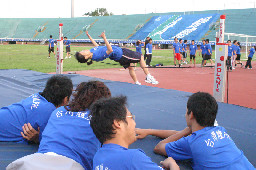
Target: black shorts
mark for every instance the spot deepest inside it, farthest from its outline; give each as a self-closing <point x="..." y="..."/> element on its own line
<point x="67" y="49"/>
<point x="184" y="54"/>
<point x="51" y="49"/>
<point x="192" y="56"/>
<point x="238" y="56"/>
<point x="207" y="57"/>
<point x="129" y="57"/>
<point x="203" y="56"/>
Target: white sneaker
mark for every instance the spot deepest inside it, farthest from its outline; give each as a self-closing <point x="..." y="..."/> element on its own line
<point x="233" y="68"/>
<point x="66" y="57"/>
<point x="151" y="79"/>
<point x="138" y="83"/>
<point x="69" y="57"/>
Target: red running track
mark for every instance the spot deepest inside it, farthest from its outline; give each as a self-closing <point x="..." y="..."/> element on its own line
<point x="242" y="82"/>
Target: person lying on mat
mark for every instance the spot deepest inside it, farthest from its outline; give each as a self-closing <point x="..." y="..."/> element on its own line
<point x="122" y="55"/>
<point x="68" y="133"/>
<point x="209" y="146"/>
<point x="114" y="126"/>
<point x="35" y="109"/>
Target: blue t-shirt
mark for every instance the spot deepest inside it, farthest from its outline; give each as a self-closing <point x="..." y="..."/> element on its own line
<point x="35" y="110"/>
<point x="51" y="42"/>
<point x="208" y="47"/>
<point x="203" y="48"/>
<point x="139" y="47"/>
<point x="238" y="51"/>
<point x="234" y="49"/>
<point x="176" y="47"/>
<point x="70" y="134"/>
<point x="230" y="49"/>
<point x="252" y="51"/>
<point x="209" y="148"/>
<point x="67" y="43"/>
<point x="100" y="53"/>
<point x="149" y="48"/>
<point x="116" y="157"/>
<point x="193" y="49"/>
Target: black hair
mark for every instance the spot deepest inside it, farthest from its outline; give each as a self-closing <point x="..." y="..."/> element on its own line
<point x="193" y="40"/>
<point x="238" y="43"/>
<point x="57" y="88"/>
<point x="150" y="39"/>
<point x="185" y="41"/>
<point x="255" y="47"/>
<point x="104" y="112"/>
<point x="180" y="40"/>
<point x="175" y="38"/>
<point x="203" y="40"/>
<point x="138" y="42"/>
<point x="80" y="58"/>
<point x="65" y="37"/>
<point x="207" y="40"/>
<point x="234" y="41"/>
<point x="204" y="108"/>
<point x="229" y="41"/>
<point x="50" y="36"/>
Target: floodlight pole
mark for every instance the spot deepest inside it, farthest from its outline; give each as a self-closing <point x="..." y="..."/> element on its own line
<point x="59" y="57"/>
<point x="221" y="53"/>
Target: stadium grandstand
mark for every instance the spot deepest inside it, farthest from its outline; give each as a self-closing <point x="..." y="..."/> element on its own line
<point x="161" y="28"/>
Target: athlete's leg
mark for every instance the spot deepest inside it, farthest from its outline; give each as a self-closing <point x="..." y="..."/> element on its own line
<point x="132" y="74"/>
<point x="143" y="65"/>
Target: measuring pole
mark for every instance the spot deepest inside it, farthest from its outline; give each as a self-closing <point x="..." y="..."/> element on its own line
<point x="59" y="62"/>
<point x="221" y="53"/>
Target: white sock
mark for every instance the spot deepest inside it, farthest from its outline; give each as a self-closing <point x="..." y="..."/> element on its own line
<point x="148" y="75"/>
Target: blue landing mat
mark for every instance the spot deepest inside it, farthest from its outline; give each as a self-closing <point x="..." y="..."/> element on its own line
<point x="154" y="108"/>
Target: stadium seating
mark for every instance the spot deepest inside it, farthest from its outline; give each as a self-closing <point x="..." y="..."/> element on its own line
<point x="161" y="27"/>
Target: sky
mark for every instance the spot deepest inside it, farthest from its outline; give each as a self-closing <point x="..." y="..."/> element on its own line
<point x="62" y="8"/>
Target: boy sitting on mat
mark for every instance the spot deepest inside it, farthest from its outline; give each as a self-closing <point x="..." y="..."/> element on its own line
<point x="209" y="146"/>
<point x="122" y="55"/>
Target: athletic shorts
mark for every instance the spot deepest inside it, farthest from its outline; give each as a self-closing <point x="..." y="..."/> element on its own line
<point x="184" y="54"/>
<point x="67" y="49"/>
<point x="129" y="57"/>
<point x="203" y="56"/>
<point x="207" y="57"/>
<point x="51" y="49"/>
<point x="177" y="56"/>
<point x="192" y="57"/>
<point x="238" y="56"/>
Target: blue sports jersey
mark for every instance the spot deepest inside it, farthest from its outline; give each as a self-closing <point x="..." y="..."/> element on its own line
<point x="116" y="157"/>
<point x="252" y="51"/>
<point x="176" y="47"/>
<point x="139" y="47"/>
<point x="149" y="48"/>
<point x="35" y="110"/>
<point x="209" y="148"/>
<point x="51" y="42"/>
<point x="238" y="51"/>
<point x="230" y="49"/>
<point x="234" y="49"/>
<point x="203" y="48"/>
<point x="99" y="53"/>
<point x="193" y="49"/>
<point x="208" y="47"/>
<point x="70" y="134"/>
<point x="67" y="43"/>
<point x="185" y="47"/>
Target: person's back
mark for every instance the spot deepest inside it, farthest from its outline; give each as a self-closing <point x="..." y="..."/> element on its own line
<point x="35" y="109"/>
<point x="209" y="148"/>
<point x="69" y="134"/>
<point x="116" y="157"/>
<point x="99" y="53"/>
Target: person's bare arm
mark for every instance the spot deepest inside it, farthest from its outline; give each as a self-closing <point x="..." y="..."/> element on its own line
<point x="170" y="164"/>
<point x="109" y="48"/>
<point x="142" y="133"/>
<point x="92" y="40"/>
<point x="30" y="133"/>
<point x="160" y="147"/>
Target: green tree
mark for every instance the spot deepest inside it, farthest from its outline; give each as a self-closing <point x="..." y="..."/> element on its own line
<point x="99" y="12"/>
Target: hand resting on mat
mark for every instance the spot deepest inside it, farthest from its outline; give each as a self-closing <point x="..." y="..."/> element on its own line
<point x="30" y="133"/>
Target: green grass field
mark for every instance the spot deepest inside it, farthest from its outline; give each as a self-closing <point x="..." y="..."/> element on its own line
<point x="34" y="57"/>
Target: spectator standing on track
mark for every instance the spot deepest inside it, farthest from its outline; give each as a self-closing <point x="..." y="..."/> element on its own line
<point x="238" y="55"/>
<point x="193" y="49"/>
<point x="249" y="60"/>
<point x="229" y="66"/>
<point x="234" y="50"/>
<point x="149" y="48"/>
<point x="176" y="51"/>
<point x="208" y="55"/>
<point x="203" y="52"/>
<point x="146" y="42"/>
<point x="67" y="43"/>
<point x="51" y="46"/>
